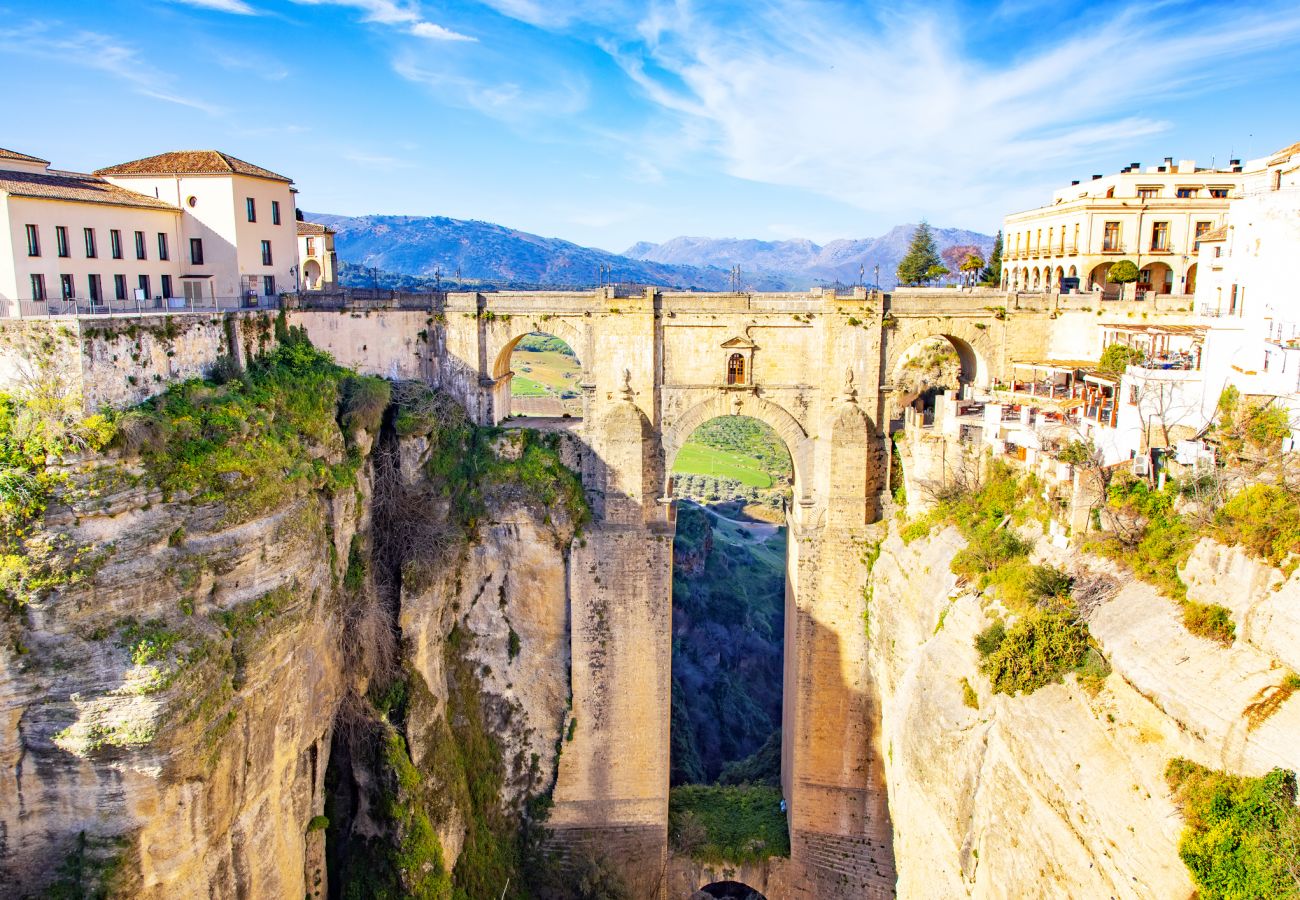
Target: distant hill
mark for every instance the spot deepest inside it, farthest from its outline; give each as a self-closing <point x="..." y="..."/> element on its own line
<point x="481" y="252"/>
<point x="408" y="250"/>
<point x="803" y="261"/>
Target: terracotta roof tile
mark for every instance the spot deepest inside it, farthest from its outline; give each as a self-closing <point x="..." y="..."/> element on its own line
<point x="191" y="162"/>
<point x="76" y="187"/>
<point x="21" y="157"/>
<point x="314" y="228"/>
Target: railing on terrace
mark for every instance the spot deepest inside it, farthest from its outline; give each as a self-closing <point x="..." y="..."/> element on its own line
<point x="79" y="306"/>
<point x="360" y="298"/>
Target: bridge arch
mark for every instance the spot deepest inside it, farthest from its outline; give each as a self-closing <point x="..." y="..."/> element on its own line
<point x="787" y="427"/>
<point x="501" y="371"/>
<point x="727" y="890"/>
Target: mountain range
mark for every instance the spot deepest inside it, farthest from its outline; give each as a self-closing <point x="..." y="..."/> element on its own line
<point x="410" y="252"/>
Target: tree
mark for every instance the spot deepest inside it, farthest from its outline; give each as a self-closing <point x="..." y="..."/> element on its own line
<point x="972" y="264"/>
<point x="1122" y="273"/>
<point x="955" y="255"/>
<point x="1116" y="358"/>
<point x="993" y="274"/>
<point x="935" y="273"/>
<point x="922" y="257"/>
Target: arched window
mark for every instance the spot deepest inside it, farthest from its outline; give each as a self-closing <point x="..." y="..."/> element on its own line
<point x="736" y="369"/>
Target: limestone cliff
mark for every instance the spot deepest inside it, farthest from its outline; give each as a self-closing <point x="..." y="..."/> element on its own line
<point x="172" y="711"/>
<point x="1061" y="793"/>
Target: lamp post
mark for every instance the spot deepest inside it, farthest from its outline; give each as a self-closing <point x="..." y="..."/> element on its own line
<point x="876" y="269"/>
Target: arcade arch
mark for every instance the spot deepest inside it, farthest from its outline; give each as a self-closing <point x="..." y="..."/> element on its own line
<point x="538" y="374"/>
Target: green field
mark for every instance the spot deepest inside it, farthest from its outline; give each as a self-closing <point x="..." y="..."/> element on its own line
<point x="698" y="459"/>
<point x="546" y="374"/>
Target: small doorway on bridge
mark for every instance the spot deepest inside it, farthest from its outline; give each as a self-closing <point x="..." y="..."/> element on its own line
<point x="727" y="890"/>
<point x="732" y="481"/>
<point x="545" y="378"/>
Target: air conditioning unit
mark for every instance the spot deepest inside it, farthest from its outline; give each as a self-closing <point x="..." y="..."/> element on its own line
<point x="1142" y="465"/>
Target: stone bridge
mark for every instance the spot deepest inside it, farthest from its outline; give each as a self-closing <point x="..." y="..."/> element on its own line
<point x="817" y="368"/>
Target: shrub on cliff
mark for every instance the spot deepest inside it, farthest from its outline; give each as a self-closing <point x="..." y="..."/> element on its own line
<point x="727" y="824"/>
<point x="1242" y="834"/>
<point x="1036" y="650"/>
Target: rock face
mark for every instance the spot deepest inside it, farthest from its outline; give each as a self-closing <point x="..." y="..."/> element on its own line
<point x="171" y="715"/>
<point x="1061" y="793"/>
<point x="168" y="722"/>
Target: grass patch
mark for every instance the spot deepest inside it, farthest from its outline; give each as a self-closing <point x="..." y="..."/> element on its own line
<point x="1210" y="621"/>
<point x="1265" y="520"/>
<point x="1242" y="834"/>
<point x="699" y="459"/>
<point x="1269" y="700"/>
<point x="727" y="824"/>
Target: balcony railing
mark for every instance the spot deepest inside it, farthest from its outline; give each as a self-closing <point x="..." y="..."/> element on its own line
<point x="77" y="306"/>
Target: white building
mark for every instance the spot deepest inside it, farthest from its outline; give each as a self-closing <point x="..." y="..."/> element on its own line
<point x="316" y="256"/>
<point x="168" y="231"/>
<point x="1248" y="293"/>
<point x="1151" y="216"/>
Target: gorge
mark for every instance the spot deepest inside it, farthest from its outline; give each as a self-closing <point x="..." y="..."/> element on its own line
<point x="334" y="628"/>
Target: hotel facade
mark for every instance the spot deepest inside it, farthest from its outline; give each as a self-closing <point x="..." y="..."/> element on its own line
<point x="1153" y="217"/>
<point x="176" y="230"/>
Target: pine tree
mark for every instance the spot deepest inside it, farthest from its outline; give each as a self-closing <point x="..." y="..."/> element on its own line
<point x="922" y="256"/>
<point x="993" y="273"/>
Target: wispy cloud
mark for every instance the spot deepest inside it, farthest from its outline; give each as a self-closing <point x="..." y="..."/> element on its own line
<point x="894" y="110"/>
<point x="235" y="7"/>
<point x="403" y="14"/>
<point x="54" y="42"/>
<point x="438" y="33"/>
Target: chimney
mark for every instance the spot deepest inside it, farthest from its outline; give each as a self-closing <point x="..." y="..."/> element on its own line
<point x="1169" y="162"/>
<point x="1135" y="166"/>
<point x="1073" y="183"/>
<point x="1095" y="177"/>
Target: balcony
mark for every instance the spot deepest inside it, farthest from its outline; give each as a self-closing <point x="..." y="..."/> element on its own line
<point x="1115" y="249"/>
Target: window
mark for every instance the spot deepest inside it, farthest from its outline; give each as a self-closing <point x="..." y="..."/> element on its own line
<point x="311" y="246"/>
<point x="91" y="250"/>
<point x="736" y="369"/>
<point x="268" y="285"/>
<point x="1219" y="193"/>
<point x="196" y="251"/>
<point x="119" y="287"/>
<point x="139" y="246"/>
<point x="1277" y="180"/>
<point x="1160" y="236"/>
<point x="266" y="253"/>
<point x="1133" y="395"/>
<point x="1148" y="193"/>
<point x="1051" y="233"/>
<point x="38" y="287"/>
<point x="275" y="212"/>
<point x="144" y="286"/>
<point x="1201" y="229"/>
<point x="1232" y="302"/>
<point x="1110" y="238"/>
<point x="33" y="241"/>
<point x="1076" y="237"/>
<point x="166" y="285"/>
<point x="61" y="240"/>
<point x="162" y="246"/>
<point x="65" y="284"/>
<point x="1185" y="193"/>
<point x="1110" y="193"/>
<point x="96" y="296"/>
<point x="1038" y="240"/>
<point x="115" y="243"/>
<point x="251" y="206"/>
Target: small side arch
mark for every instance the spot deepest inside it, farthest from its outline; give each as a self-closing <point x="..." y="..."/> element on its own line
<point x="797" y="441"/>
<point x="498" y="384"/>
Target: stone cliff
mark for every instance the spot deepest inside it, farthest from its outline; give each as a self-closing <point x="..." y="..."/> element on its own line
<point x="1061" y="793"/>
<point x="173" y="708"/>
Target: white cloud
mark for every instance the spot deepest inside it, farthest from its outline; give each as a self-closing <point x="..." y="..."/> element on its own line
<point x="236" y="7"/>
<point x="438" y="33"/>
<point x="52" y="41"/>
<point x="894" y="114"/>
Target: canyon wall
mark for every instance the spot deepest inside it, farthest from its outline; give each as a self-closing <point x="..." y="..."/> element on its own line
<point x="1062" y="793"/>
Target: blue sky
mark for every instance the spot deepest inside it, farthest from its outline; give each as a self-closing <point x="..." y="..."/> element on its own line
<point x="611" y="122"/>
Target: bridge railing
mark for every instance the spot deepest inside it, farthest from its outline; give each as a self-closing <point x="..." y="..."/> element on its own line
<point x="366" y="298"/>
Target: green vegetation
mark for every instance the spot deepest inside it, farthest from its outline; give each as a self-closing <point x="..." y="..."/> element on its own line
<point x="729" y="584"/>
<point x="1249" y="430"/>
<point x="734" y="458"/>
<point x="968" y="696"/>
<point x="1265" y="520"/>
<point x="698" y="459"/>
<point x="1241" y="840"/>
<point x="545" y="367"/>
<point x="727" y="824"/>
<point x="1269" y="700"/>
<point x="318" y="823"/>
<point x="1116" y="359"/>
<point x="1036" y="650"/>
<point x="922" y="258"/>
<point x="255" y="442"/>
<point x="92" y="870"/>
<point x="539" y="342"/>
<point x="149" y="642"/>
<point x="1123" y="272"/>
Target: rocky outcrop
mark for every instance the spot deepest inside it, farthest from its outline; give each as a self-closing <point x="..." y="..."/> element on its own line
<point x="167" y="721"/>
<point x="1062" y="793"/>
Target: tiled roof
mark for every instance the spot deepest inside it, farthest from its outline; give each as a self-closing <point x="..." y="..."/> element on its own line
<point x="314" y="228"/>
<point x="75" y="187"/>
<point x="191" y="162"/>
<point x="1218" y="234"/>
<point x="21" y="157"/>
